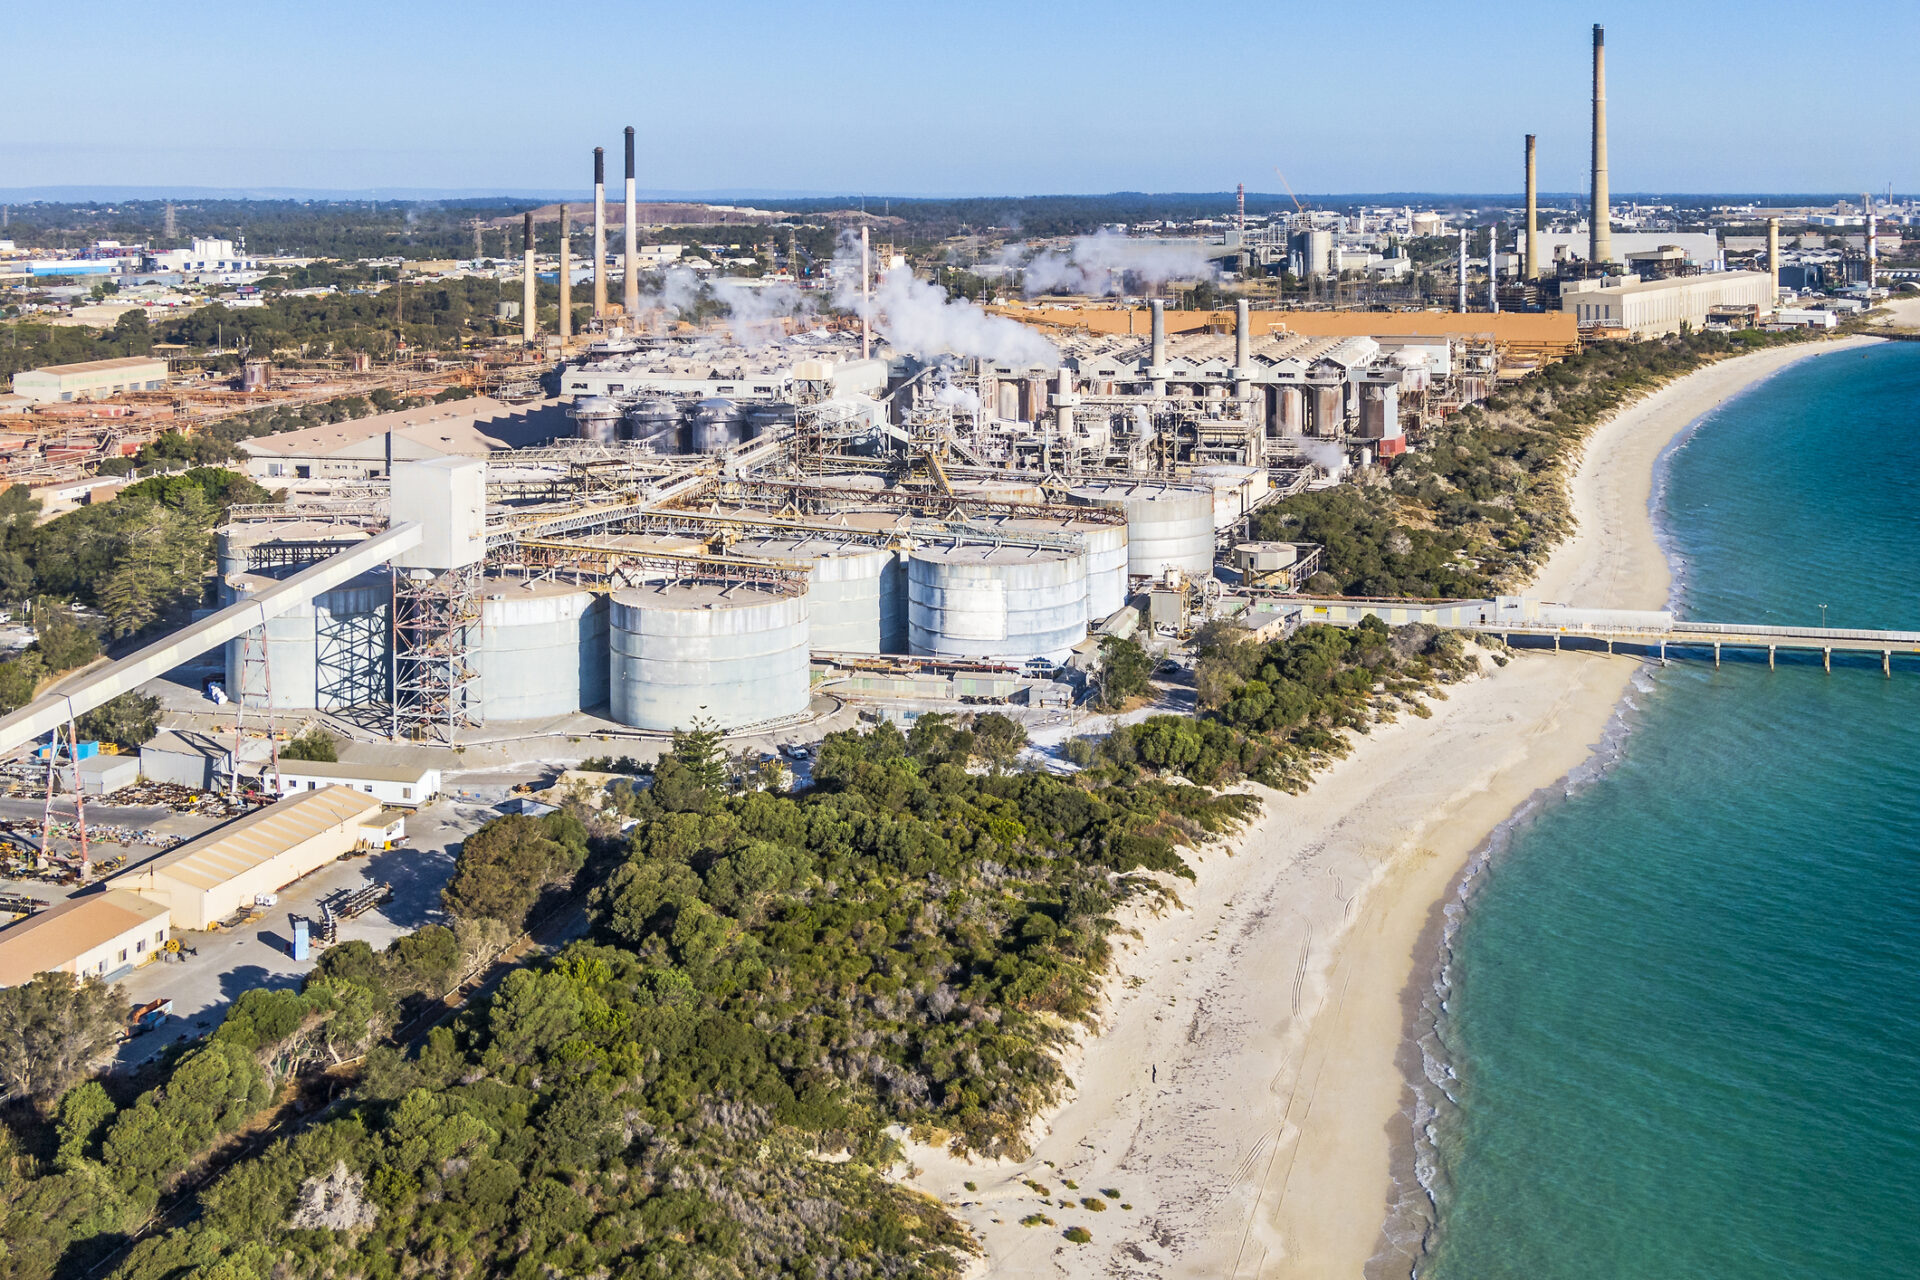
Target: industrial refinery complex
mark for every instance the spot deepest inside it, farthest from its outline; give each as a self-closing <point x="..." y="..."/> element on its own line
<point x="818" y="491"/>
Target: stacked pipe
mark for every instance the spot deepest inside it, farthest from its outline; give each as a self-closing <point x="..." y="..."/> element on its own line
<point x="631" y="296"/>
<point x="599" y="232"/>
<point x="527" y="281"/>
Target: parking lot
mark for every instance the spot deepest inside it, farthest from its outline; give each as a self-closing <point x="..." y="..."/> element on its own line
<point x="215" y="967"/>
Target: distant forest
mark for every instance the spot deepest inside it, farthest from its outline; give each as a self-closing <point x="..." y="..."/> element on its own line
<point x="414" y="229"/>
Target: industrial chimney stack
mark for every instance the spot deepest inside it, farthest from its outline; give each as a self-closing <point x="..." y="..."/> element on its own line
<point x="1873" y="244"/>
<point x="566" y="279"/>
<point x="1157" y="348"/>
<point x="1600" y="244"/>
<point x="1773" y="257"/>
<point x="526" y="280"/>
<point x="1463" y="270"/>
<point x="631" y="296"/>
<point x="599" y="232"/>
<point x="1533" y="215"/>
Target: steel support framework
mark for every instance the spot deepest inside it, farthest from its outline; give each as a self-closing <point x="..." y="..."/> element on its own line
<point x="436" y="628"/>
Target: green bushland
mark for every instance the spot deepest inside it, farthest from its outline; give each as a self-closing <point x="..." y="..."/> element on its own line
<point x="1475" y="511"/>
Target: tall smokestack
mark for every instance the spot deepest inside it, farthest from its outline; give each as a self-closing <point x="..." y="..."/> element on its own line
<point x="1242" y="349"/>
<point x="1600" y="242"/>
<point x="526" y="282"/>
<point x="631" y="295"/>
<point x="1873" y="244"/>
<point x="1240" y="203"/>
<point x="1533" y="216"/>
<point x="866" y="300"/>
<point x="1493" y="270"/>
<point x="599" y="232"/>
<point x="566" y="279"/>
<point x="1463" y="269"/>
<point x="1157" y="351"/>
<point x="1773" y="257"/>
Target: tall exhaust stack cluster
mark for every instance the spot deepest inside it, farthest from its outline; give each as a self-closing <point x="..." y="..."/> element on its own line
<point x="630" y="297"/>
<point x="1773" y="254"/>
<point x="1533" y="215"/>
<point x="566" y="278"/>
<point x="526" y="280"/>
<point x="599" y="232"/>
<point x="1600" y="243"/>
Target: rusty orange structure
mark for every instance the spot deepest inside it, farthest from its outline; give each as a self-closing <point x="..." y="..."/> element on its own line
<point x="1530" y="333"/>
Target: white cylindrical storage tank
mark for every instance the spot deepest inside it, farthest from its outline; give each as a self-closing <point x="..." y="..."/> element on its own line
<point x="996" y="602"/>
<point x="856" y="595"/>
<point x="288" y="668"/>
<point x="543" y="650"/>
<point x="1167" y="527"/>
<point x="687" y="652"/>
<point x="1104" y="545"/>
<point x="1236" y="490"/>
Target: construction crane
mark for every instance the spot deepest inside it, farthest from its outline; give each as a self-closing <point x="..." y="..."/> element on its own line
<point x="1297" y="206"/>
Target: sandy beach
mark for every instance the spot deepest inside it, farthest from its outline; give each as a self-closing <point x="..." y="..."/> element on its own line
<point x="1246" y="1095"/>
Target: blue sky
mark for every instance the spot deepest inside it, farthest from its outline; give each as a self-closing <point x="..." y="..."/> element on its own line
<point x="935" y="98"/>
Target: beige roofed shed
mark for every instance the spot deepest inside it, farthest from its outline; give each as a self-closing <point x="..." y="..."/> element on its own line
<point x="95" y="936"/>
<point x="219" y="874"/>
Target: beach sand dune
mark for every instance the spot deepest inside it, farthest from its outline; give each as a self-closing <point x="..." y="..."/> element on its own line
<point x="1246" y="1097"/>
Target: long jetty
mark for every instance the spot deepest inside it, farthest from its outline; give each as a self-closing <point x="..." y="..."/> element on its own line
<point x="1654" y="630"/>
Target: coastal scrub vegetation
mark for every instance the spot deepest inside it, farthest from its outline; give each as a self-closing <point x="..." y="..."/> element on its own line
<point x="1475" y="511"/>
<point x="1276" y="711"/>
<point x="704" y="1085"/>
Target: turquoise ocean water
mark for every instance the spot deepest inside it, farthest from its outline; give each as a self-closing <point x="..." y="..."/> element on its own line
<point x="1681" y="1026"/>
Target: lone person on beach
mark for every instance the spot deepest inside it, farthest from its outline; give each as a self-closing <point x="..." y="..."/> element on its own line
<point x="1156" y="1073"/>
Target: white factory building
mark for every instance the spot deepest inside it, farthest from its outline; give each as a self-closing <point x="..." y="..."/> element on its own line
<point x="358" y="450"/>
<point x="97" y="935"/>
<point x="219" y="874"/>
<point x="91" y="379"/>
<point x="402" y="786"/>
<point x="1649" y="308"/>
<point x="1702" y="248"/>
<point x="205" y="257"/>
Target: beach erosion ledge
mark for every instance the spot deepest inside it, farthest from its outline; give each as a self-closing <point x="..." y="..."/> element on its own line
<point x="1248" y="1092"/>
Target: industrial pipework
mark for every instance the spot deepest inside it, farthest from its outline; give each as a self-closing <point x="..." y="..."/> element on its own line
<point x="1533" y="215"/>
<point x="526" y="282"/>
<point x="631" y="295"/>
<point x="1600" y="237"/>
<point x="599" y="232"/>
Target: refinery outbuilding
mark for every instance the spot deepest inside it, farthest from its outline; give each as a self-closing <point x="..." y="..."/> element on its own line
<point x="223" y="872"/>
<point x="99" y="935"/>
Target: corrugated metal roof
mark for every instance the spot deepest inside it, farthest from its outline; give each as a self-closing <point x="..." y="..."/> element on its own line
<point x="60" y="935"/>
<point x="357" y="772"/>
<point x="245" y="843"/>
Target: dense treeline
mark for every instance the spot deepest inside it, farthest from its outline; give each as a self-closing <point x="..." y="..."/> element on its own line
<point x="770" y="980"/>
<point x="1277" y="711"/>
<point x="1476" y="510"/>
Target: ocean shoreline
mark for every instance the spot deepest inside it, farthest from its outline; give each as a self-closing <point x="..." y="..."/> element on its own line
<point x="1415" y="1197"/>
<point x="1246" y="1089"/>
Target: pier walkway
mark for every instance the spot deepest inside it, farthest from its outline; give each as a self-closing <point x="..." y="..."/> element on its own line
<point x="1645" y="629"/>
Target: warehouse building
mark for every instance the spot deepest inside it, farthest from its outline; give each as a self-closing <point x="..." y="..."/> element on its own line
<point x="407" y="786"/>
<point x="357" y="450"/>
<point x="1649" y="308"/>
<point x="101" y="935"/>
<point x="91" y="379"/>
<point x="220" y="874"/>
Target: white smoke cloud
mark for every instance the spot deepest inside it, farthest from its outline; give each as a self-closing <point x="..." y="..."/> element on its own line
<point x="1109" y="263"/>
<point x="1325" y="454"/>
<point x="965" y="399"/>
<point x="917" y="318"/>
<point x="762" y="315"/>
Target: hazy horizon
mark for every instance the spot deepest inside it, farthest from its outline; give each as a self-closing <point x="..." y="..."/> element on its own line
<point x="487" y="98"/>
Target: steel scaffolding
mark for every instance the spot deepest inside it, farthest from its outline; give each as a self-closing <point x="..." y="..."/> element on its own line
<point x="436" y="627"/>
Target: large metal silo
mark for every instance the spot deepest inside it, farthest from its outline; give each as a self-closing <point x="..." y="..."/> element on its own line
<point x="996" y="602"/>
<point x="690" y="652"/>
<point x="543" y="650"/>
